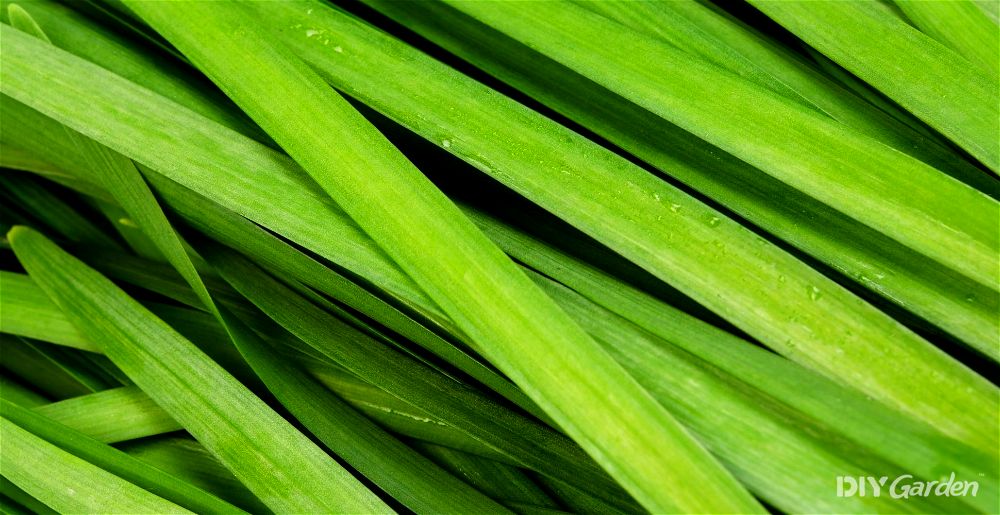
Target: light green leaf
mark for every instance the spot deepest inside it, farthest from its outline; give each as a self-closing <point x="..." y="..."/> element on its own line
<point x="678" y="239"/>
<point x="911" y="445"/>
<point x="114" y="415"/>
<point x="960" y="25"/>
<point x="413" y="480"/>
<point x="907" y="199"/>
<point x="116" y="462"/>
<point x="286" y="470"/>
<point x="15" y="392"/>
<point x="703" y="31"/>
<point x="156" y="70"/>
<point x="875" y="261"/>
<point x="25" y="310"/>
<point x="474" y="283"/>
<point x="523" y="440"/>
<point x="69" y="484"/>
<point x="243" y="235"/>
<point x="187" y="459"/>
<point x="118" y="175"/>
<point x="920" y="74"/>
<point x="784" y="457"/>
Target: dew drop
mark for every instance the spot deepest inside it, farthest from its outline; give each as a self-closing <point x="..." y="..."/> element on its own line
<point x="676" y="208"/>
<point x="814" y="293"/>
<point x="311" y="32"/>
<point x="338" y="49"/>
<point x="714" y="221"/>
<point x="446" y="143"/>
<point x="310" y="11"/>
<point x="656" y="196"/>
<point x="782" y="278"/>
<point x="479" y="164"/>
<point x="970" y="298"/>
<point x="127" y="222"/>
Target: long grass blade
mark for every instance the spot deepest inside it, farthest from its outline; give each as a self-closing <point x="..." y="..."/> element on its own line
<point x="797" y="454"/>
<point x="188" y="460"/>
<point x="118" y="175"/>
<point x="69" y="484"/>
<point x="116" y="462"/>
<point x="960" y="25"/>
<point x="920" y="74"/>
<point x="711" y="35"/>
<point x="207" y="401"/>
<point x="241" y="234"/>
<point x="70" y="30"/>
<point x="536" y="152"/>
<point x="520" y="438"/>
<point x="882" y="265"/>
<point x="449" y="143"/>
<point x="114" y="415"/>
<point x="404" y="474"/>
<point x="907" y="199"/>
<point x="25" y="310"/>
<point x="911" y="445"/>
<point x="660" y="464"/>
<point x="503" y="483"/>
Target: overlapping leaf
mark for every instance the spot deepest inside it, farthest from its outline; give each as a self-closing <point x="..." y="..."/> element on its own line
<point x="463" y="272"/>
<point x="288" y="472"/>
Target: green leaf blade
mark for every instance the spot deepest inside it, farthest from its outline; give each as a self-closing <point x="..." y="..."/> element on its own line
<point x="478" y="286"/>
<point x="287" y="472"/>
<point x="907" y="66"/>
<point x="74" y="485"/>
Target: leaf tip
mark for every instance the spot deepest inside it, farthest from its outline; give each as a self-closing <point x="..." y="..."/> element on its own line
<point x="15" y="230"/>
